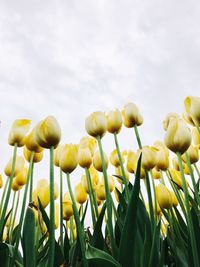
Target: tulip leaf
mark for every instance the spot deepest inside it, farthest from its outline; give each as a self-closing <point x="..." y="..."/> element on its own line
<point x="44" y="215"/>
<point x="127" y="242"/>
<point x="58" y="259"/>
<point x="6" y="254"/>
<point x="155" y="247"/>
<point x="84" y="213"/>
<point x="4" y="223"/>
<point x="66" y="247"/>
<point x="99" y="258"/>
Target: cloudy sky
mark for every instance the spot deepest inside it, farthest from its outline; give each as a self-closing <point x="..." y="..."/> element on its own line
<point x="69" y="58"/>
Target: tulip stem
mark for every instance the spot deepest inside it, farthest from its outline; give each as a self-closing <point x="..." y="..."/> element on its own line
<point x="52" y="212"/>
<point x="61" y="211"/>
<point x="22" y="212"/>
<point x="188" y="218"/>
<point x="31" y="181"/>
<point x="196" y="168"/>
<point x="148" y="187"/>
<point x="122" y="167"/>
<point x="80" y="230"/>
<point x="15" y="214"/>
<point x="4" y="193"/>
<point x="155" y="201"/>
<point x="108" y="199"/>
<point x="13" y="203"/>
<point x="162" y="178"/>
<point x="137" y="136"/>
<point x="5" y="206"/>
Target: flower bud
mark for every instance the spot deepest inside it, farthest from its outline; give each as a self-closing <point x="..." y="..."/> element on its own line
<point x="36" y="158"/>
<point x="149" y="157"/>
<point x="19" y="165"/>
<point x="88" y="142"/>
<point x="114" y="159"/>
<point x="84" y="157"/>
<point x="69" y="158"/>
<point x="174" y="198"/>
<point x="162" y="156"/>
<point x="15" y="186"/>
<point x="176" y="178"/>
<point x="80" y="194"/>
<point x="96" y="124"/>
<point x="114" y="121"/>
<point x="100" y="192"/>
<point x="31" y="143"/>
<point x="67" y="210"/>
<point x="176" y="166"/>
<point x="156" y="173"/>
<point x="48" y="132"/>
<point x="18" y="132"/>
<point x="192" y="107"/>
<point x="164" y="197"/>
<point x="193" y="154"/>
<point x="21" y="177"/>
<point x="132" y="164"/>
<point x="57" y="154"/>
<point x="97" y="162"/>
<point x="111" y="183"/>
<point x="94" y="179"/>
<point x="178" y="136"/>
<point x="167" y="119"/>
<point x="131" y="115"/>
<point x="56" y="216"/>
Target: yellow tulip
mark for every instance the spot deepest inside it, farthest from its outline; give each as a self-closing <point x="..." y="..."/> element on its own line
<point x="178" y="136"/>
<point x="131" y="115"/>
<point x="84" y="157"/>
<point x="88" y="142"/>
<point x="36" y="158"/>
<point x="193" y="154"/>
<point x="196" y="137"/>
<point x="176" y="177"/>
<point x="56" y="215"/>
<point x="174" y="198"/>
<point x="169" y="116"/>
<point x="156" y="173"/>
<point x="132" y="164"/>
<point x="99" y="202"/>
<point x="80" y="194"/>
<point x="149" y="157"/>
<point x="67" y="210"/>
<point x="42" y="191"/>
<point x="163" y="197"/>
<point x="97" y="163"/>
<point x="57" y="154"/>
<point x="162" y="156"/>
<point x="96" y="124"/>
<point x="1" y="181"/>
<point x="21" y="177"/>
<point x="15" y="186"/>
<point x="176" y="166"/>
<point x="48" y="132"/>
<point x="94" y="179"/>
<point x="69" y="158"/>
<point x="114" y="121"/>
<point x="111" y="183"/>
<point x="18" y="132"/>
<point x="19" y="165"/>
<point x="114" y="159"/>
<point x="31" y="142"/>
<point x="192" y="107"/>
<point x="100" y="192"/>
<point x="66" y="197"/>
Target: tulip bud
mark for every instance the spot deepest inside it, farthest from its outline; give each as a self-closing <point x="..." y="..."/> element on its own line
<point x="88" y="142"/>
<point x="114" y="121"/>
<point x="164" y="197"/>
<point x="100" y="192"/>
<point x="37" y="157"/>
<point x="80" y="194"/>
<point x="192" y="107"/>
<point x="176" y="178"/>
<point x="131" y="115"/>
<point x="19" y="165"/>
<point x="18" y="131"/>
<point x="97" y="162"/>
<point x="156" y="173"/>
<point x="48" y="132"/>
<point x="193" y="154"/>
<point x="149" y="157"/>
<point x="15" y="186"/>
<point x="176" y="166"/>
<point x="196" y="137"/>
<point x="162" y="156"/>
<point x="132" y="164"/>
<point x="31" y="142"/>
<point x="167" y="119"/>
<point x="84" y="157"/>
<point x="1" y="181"/>
<point x="67" y="210"/>
<point x="174" y="198"/>
<point x="21" y="177"/>
<point x="96" y="124"/>
<point x="69" y="158"/>
<point x="57" y="154"/>
<point x="114" y="159"/>
<point x="178" y="136"/>
<point x="111" y="183"/>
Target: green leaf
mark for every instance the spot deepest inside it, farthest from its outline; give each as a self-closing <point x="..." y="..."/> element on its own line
<point x="66" y="247"/>
<point x="44" y="215"/>
<point x="155" y="247"/>
<point x="4" y="223"/>
<point x="58" y="259"/>
<point x="99" y="258"/>
<point x="127" y="242"/>
<point x="28" y="239"/>
<point x="84" y="213"/>
<point x="6" y="253"/>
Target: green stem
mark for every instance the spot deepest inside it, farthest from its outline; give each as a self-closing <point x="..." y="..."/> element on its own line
<point x="80" y="230"/>
<point x="162" y="178"/>
<point x="189" y="218"/>
<point x="5" y="206"/>
<point x="148" y="187"/>
<point x="4" y="193"/>
<point x="155" y="201"/>
<point x="31" y="182"/>
<point x="15" y="214"/>
<point x="197" y="170"/>
<point x="122" y="167"/>
<point x="61" y="211"/>
<point x="52" y="212"/>
<point x="108" y="199"/>
<point x="71" y="226"/>
<point x="10" y="224"/>
<point x="137" y="136"/>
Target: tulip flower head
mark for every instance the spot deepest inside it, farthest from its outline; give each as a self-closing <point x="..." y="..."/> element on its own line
<point x="18" y="132"/>
<point x="131" y="115"/>
<point x="96" y="124"/>
<point x="97" y="162"/>
<point x="192" y="107"/>
<point x="84" y="157"/>
<point x="19" y="165"/>
<point x="114" y="121"/>
<point x="69" y="158"/>
<point x="164" y="197"/>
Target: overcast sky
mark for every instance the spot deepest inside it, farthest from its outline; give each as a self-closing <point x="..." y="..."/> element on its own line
<point x="69" y="58"/>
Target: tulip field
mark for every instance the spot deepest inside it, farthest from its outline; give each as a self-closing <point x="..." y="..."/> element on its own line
<point x="146" y="213"/>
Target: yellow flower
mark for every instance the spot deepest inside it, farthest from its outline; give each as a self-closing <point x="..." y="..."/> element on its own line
<point x="84" y="157"/>
<point x="100" y="192"/>
<point x="48" y="132"/>
<point x="96" y="124"/>
<point x="192" y="107"/>
<point x="15" y="186"/>
<point x="196" y="137"/>
<point x="176" y="178"/>
<point x="178" y="136"/>
<point x="167" y="119"/>
<point x="193" y="154"/>
<point x="149" y="157"/>
<point x="1" y="181"/>
<point x="19" y="165"/>
<point x="114" y="159"/>
<point x="116" y="193"/>
<point x="131" y="115"/>
<point x="36" y="158"/>
<point x="88" y="142"/>
<point x="69" y="158"/>
<point x="111" y="182"/>
<point x="18" y="132"/>
<point x="67" y="210"/>
<point x="21" y="177"/>
<point x="174" y="198"/>
<point x="162" y="156"/>
<point x="57" y="154"/>
<point x="56" y="215"/>
<point x="132" y="164"/>
<point x="94" y="179"/>
<point x="176" y="165"/>
<point x="80" y="194"/>
<point x="156" y="173"/>
<point x="118" y="172"/>
<point x="31" y="143"/>
<point x="164" y="197"/>
<point x="114" y="121"/>
<point x="98" y="163"/>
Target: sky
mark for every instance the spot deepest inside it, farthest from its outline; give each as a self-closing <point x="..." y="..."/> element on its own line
<point x="70" y="58"/>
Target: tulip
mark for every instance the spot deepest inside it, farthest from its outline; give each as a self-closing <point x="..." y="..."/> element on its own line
<point x="1" y="181"/>
<point x="31" y="142"/>
<point x="15" y="186"/>
<point x="37" y="157"/>
<point x="57" y="155"/>
<point x="67" y="210"/>
<point x="69" y="158"/>
<point x="100" y="192"/>
<point x="193" y="154"/>
<point x="96" y="124"/>
<point x="117" y="188"/>
<point x="94" y="179"/>
<point x="19" y="165"/>
<point x="164" y="197"/>
<point x="131" y="116"/>
<point x="80" y="194"/>
<point x="114" y="159"/>
<point x="97" y="162"/>
<point x="174" y="198"/>
<point x="162" y="156"/>
<point x="192" y="107"/>
<point x="176" y="166"/>
<point x="149" y="157"/>
<point x="167" y="119"/>
<point x="196" y="137"/>
<point x="132" y="164"/>
<point x="111" y="183"/>
<point x="176" y="177"/>
<point x="156" y="173"/>
<point x="18" y="132"/>
<point x="114" y="121"/>
<point x="84" y="157"/>
<point x="88" y="142"/>
<point x="178" y="136"/>
<point x="48" y="133"/>
<point x="21" y="177"/>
